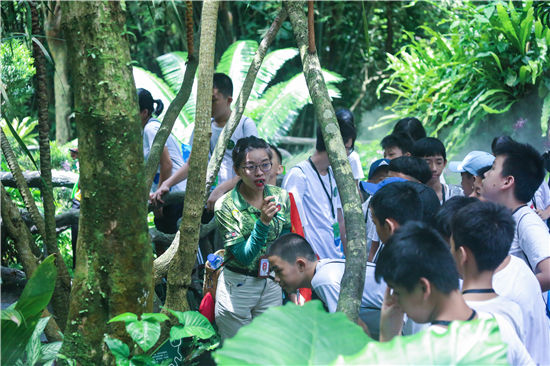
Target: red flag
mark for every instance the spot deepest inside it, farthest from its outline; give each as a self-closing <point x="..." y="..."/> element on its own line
<point x="298" y="229"/>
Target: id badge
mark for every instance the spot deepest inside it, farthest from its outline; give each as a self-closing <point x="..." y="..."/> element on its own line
<point x="337" y="240"/>
<point x="263" y="268"/>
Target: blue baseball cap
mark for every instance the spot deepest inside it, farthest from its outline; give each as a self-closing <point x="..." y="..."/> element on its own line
<point x="372" y="188"/>
<point x="377" y="164"/>
<point x="474" y="161"/>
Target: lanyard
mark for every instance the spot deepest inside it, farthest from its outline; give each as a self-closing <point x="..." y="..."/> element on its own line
<point x="447" y="322"/>
<point x="324" y="188"/>
<point x="479" y="291"/>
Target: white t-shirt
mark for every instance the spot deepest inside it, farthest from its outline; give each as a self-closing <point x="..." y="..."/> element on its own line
<point x="245" y="128"/>
<point x="504" y="307"/>
<point x="317" y="213"/>
<point x="149" y="132"/>
<point x="517" y="354"/>
<point x="517" y="282"/>
<point x="356" y="167"/>
<point x="450" y="190"/>
<point x="531" y="240"/>
<point x="542" y="196"/>
<point x="326" y="284"/>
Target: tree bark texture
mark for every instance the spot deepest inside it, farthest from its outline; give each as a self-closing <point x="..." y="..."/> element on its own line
<point x="21" y="235"/>
<point x="237" y="112"/>
<point x="169" y="118"/>
<point x="33" y="179"/>
<point x="179" y="271"/>
<point x="114" y="257"/>
<point x="21" y="184"/>
<point x="60" y="298"/>
<point x="62" y="89"/>
<point x="351" y="288"/>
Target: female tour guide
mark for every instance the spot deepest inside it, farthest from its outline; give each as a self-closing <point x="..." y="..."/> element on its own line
<point x="249" y="218"/>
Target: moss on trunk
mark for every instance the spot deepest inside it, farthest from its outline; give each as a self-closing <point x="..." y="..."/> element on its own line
<point x="114" y="257"/>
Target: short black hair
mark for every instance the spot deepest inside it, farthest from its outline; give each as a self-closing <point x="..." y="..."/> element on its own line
<point x="481" y="172"/>
<point x="411" y="126"/>
<point x="277" y="152"/>
<point x="347" y="130"/>
<point x="413" y="166"/>
<point x="487" y="229"/>
<point x="290" y="246"/>
<point x="443" y="218"/>
<point x="525" y="164"/>
<point x="223" y="83"/>
<point x="429" y="146"/>
<point x="417" y="251"/>
<point x="398" y="201"/>
<point x="498" y="140"/>
<point x="246" y="144"/>
<point x="146" y="101"/>
<point x="400" y="140"/>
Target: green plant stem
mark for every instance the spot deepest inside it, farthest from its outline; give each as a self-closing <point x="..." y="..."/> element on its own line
<point x="237" y="112"/>
<point x="351" y="288"/>
<point x="60" y="300"/>
<point x="23" y="190"/>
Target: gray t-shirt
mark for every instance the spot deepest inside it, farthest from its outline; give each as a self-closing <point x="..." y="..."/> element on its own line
<point x="149" y="132"/>
<point x="326" y="284"/>
<point x="245" y="128"/>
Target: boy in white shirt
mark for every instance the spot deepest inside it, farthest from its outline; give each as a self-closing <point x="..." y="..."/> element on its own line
<point x="516" y="174"/>
<point x="422" y="282"/>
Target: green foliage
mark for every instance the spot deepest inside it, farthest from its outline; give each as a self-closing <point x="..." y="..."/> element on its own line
<point x="146" y="332"/>
<point x="273" y="106"/>
<point x="16" y="70"/>
<point x="479" y="60"/>
<point x="18" y="328"/>
<point x="309" y="335"/>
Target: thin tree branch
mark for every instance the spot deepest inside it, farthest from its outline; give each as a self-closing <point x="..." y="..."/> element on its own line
<point x="311" y="27"/>
<point x="60" y="299"/>
<point x="237" y="113"/>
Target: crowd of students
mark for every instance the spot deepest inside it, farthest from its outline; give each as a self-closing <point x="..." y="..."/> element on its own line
<point x="437" y="252"/>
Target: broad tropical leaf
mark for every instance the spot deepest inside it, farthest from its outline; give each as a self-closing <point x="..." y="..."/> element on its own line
<point x="235" y="62"/>
<point x="34" y="299"/>
<point x="278" y="109"/>
<point x="194" y="324"/>
<point x="272" y="62"/>
<point x="293" y="335"/>
<point x="144" y="333"/>
<point x="468" y="343"/>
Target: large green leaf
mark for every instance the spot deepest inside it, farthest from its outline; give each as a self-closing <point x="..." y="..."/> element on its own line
<point x="194" y="324"/>
<point x="34" y="299"/>
<point x="281" y="104"/>
<point x="33" y="349"/>
<point x="272" y="62"/>
<point x="144" y="333"/>
<point x="235" y="62"/>
<point x="160" y="90"/>
<point x="118" y="348"/>
<point x="293" y="335"/>
<point x="468" y="343"/>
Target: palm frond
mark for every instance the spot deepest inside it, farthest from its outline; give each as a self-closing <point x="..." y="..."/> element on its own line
<point x="235" y="62"/>
<point x="272" y="62"/>
<point x="173" y="65"/>
<point x="277" y="111"/>
<point x="160" y="90"/>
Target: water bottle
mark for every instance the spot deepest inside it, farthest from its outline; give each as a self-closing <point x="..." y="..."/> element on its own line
<point x="215" y="261"/>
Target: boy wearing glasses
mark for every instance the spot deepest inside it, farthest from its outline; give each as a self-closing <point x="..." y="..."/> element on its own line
<point x="313" y="186"/>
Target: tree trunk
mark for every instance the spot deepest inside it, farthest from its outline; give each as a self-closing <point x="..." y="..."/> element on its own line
<point x="179" y="277"/>
<point x="114" y="258"/>
<point x="351" y="288"/>
<point x="60" y="298"/>
<point x="240" y="104"/>
<point x="62" y="89"/>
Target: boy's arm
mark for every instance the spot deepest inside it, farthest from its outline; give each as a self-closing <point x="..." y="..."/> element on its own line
<point x="178" y="176"/>
<point x="542" y="272"/>
<point x="391" y="317"/>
